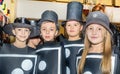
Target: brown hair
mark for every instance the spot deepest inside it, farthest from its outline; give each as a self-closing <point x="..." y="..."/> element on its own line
<point x="98" y="7"/>
<point x="106" y="60"/>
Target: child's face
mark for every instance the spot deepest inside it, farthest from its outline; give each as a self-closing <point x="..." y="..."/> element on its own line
<point x="48" y="31"/>
<point x="21" y="34"/>
<point x="96" y="33"/>
<point x="73" y="28"/>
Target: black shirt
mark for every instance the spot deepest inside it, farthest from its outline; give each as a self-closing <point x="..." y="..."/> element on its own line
<point x="71" y="50"/>
<point x="93" y="62"/>
<point x="50" y="58"/>
<point x="17" y="60"/>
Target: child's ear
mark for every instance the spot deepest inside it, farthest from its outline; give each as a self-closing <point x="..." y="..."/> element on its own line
<point x="30" y="33"/>
<point x="56" y="33"/>
<point x="81" y="27"/>
<point x="13" y="31"/>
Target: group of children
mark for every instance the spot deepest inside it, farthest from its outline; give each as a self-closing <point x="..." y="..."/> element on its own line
<point x="88" y="48"/>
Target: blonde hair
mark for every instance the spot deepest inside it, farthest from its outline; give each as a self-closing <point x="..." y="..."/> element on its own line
<point x="106" y="60"/>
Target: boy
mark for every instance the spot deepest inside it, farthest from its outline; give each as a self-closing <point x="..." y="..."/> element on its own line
<point x="51" y="55"/>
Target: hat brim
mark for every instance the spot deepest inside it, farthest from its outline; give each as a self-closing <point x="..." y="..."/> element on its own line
<point x="64" y="22"/>
<point x="9" y="27"/>
<point x="98" y="22"/>
<point x="21" y="25"/>
<point x="41" y="21"/>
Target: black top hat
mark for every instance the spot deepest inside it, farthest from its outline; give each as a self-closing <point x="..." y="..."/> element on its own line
<point x="18" y="23"/>
<point x="36" y="31"/>
<point x="74" y="12"/>
<point x="49" y="15"/>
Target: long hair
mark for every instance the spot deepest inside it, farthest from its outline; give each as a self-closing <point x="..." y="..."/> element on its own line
<point x="106" y="60"/>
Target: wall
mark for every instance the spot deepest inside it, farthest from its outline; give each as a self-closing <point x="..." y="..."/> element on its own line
<point x="8" y="7"/>
<point x="34" y="9"/>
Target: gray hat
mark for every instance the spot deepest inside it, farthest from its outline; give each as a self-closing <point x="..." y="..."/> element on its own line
<point x="22" y="23"/>
<point x="18" y="23"/>
<point x="49" y="15"/>
<point x="100" y="18"/>
<point x="74" y="12"/>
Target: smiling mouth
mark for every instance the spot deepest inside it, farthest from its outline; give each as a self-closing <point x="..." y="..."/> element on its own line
<point x="93" y="37"/>
<point x="47" y="36"/>
<point x="71" y="31"/>
<point x="22" y="36"/>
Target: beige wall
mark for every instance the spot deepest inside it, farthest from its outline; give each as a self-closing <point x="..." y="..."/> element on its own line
<point x="34" y="9"/>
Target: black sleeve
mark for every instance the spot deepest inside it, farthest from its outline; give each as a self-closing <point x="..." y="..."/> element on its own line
<point x="117" y="62"/>
<point x="5" y="48"/>
<point x="63" y="63"/>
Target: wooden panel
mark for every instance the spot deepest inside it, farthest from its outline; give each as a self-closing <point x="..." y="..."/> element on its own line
<point x="63" y="0"/>
<point x="78" y="0"/>
<point x="69" y="0"/>
<point x="13" y="10"/>
<point x="117" y="2"/>
<point x="104" y="2"/>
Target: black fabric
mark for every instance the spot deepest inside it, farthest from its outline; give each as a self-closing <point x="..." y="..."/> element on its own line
<point x="71" y="50"/>
<point x="50" y="58"/>
<point x="15" y="60"/>
<point x="11" y="49"/>
<point x="49" y="15"/>
<point x="17" y="64"/>
<point x="93" y="61"/>
<point x="74" y="12"/>
<point x="1" y="36"/>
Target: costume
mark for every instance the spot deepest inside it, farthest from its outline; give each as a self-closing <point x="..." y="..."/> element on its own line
<point x="93" y="62"/>
<point x="15" y="60"/>
<point x="1" y="38"/>
<point x="71" y="50"/>
<point x="50" y="58"/>
<point x="74" y="13"/>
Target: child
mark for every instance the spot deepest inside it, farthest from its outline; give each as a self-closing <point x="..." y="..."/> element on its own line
<point x="15" y="57"/>
<point x="73" y="27"/>
<point x="50" y="52"/>
<point x="35" y="40"/>
<point x="99" y="56"/>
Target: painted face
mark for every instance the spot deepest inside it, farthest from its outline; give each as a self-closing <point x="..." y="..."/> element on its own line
<point x="96" y="33"/>
<point x="48" y="31"/>
<point x="73" y="28"/>
<point x="21" y="34"/>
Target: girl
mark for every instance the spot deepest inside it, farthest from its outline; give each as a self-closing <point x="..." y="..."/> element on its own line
<point x="74" y="42"/>
<point x="99" y="55"/>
